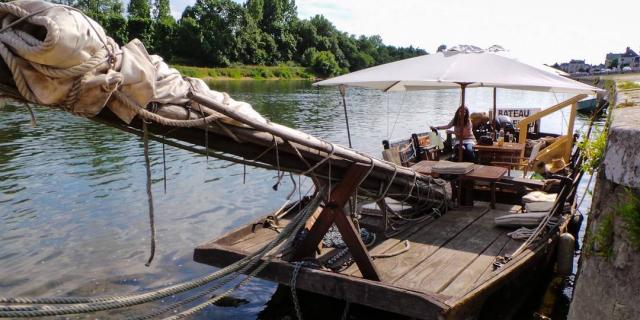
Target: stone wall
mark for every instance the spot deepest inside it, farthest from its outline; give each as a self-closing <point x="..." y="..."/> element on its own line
<point x="608" y="280"/>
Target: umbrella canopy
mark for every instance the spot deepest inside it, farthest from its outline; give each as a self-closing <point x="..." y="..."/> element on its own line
<point x="442" y="70"/>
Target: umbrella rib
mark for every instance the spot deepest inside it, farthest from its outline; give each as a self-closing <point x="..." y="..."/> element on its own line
<point x="391" y="86"/>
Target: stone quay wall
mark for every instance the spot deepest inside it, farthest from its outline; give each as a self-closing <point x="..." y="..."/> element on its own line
<point x="608" y="279"/>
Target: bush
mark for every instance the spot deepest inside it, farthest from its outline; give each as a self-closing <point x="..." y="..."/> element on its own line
<point x="325" y="64"/>
<point x="309" y="56"/>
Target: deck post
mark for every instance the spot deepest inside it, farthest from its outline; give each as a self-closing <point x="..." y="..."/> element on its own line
<point x="333" y="212"/>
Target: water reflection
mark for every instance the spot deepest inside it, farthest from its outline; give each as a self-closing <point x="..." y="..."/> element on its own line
<point x="73" y="200"/>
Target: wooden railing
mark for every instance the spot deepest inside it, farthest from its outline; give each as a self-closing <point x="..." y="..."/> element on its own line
<point x="563" y="145"/>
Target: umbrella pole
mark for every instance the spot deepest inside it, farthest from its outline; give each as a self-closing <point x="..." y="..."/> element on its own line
<point x="343" y="92"/>
<point x="461" y="123"/>
<point x="493" y="122"/>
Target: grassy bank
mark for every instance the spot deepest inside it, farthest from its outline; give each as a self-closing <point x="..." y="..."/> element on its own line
<point x="247" y="72"/>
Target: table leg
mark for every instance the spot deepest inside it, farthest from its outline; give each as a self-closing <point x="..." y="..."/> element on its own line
<point x="493" y="195"/>
<point x="466" y="192"/>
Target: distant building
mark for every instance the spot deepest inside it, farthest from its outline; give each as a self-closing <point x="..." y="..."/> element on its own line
<point x="629" y="58"/>
<point x="575" y="66"/>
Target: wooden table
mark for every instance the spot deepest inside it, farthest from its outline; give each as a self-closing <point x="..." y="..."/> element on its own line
<point x="480" y="172"/>
<point x="508" y="152"/>
<point x="490" y="174"/>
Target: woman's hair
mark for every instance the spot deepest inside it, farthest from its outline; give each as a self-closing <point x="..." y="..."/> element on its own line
<point x="466" y="117"/>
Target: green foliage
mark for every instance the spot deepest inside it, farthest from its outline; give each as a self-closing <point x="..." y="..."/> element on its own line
<point x="223" y="33"/>
<point x="108" y="13"/>
<point x="309" y="56"/>
<point x="592" y="149"/>
<point x="324" y="63"/>
<point x="217" y="21"/>
<point x="142" y="29"/>
<point x="601" y="241"/>
<point x="162" y="10"/>
<point x="165" y="29"/>
<point x="140" y="9"/>
<point x="629" y="212"/>
<point x="242" y="72"/>
<point x="278" y="18"/>
<point x="628" y="85"/>
<point x="253" y="43"/>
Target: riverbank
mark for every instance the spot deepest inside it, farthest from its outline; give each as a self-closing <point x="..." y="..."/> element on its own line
<point x="607" y="283"/>
<point x="281" y="72"/>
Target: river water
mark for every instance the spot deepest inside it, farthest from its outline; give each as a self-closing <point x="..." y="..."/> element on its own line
<point x="73" y="205"/>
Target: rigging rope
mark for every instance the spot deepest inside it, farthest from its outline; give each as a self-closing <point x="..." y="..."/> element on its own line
<point x="88" y="304"/>
<point x="147" y="163"/>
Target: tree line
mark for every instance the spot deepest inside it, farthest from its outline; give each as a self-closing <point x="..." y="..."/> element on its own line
<point x="220" y="33"/>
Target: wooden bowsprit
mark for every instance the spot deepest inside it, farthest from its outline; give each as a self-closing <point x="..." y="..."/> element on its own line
<point x="333" y="212"/>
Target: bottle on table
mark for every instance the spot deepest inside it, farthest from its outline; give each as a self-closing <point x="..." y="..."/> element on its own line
<point x="501" y="138"/>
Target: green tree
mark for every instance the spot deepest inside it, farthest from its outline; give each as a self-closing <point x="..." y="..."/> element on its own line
<point x="188" y="42"/>
<point x="140" y="25"/>
<point x="108" y="13"/>
<point x="278" y="19"/>
<point x="325" y="64"/>
<point x="164" y="28"/>
<point x="139" y="9"/>
<point x="218" y="22"/>
<point x="255" y="8"/>
<point x="252" y="42"/>
<point x="162" y="9"/>
<point x="309" y="57"/>
<point x="614" y="63"/>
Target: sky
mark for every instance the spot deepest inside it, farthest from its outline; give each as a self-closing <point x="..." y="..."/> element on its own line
<point x="535" y="31"/>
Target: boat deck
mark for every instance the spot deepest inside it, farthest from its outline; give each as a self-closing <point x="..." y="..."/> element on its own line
<point x="449" y="261"/>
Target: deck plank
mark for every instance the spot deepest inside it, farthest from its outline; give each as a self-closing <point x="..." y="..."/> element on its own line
<point x="258" y="238"/>
<point x="388" y="244"/>
<point x="468" y="277"/>
<point x="441" y="268"/>
<point x="508" y="248"/>
<point x="426" y="241"/>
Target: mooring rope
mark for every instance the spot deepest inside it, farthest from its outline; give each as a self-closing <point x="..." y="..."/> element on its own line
<point x="294" y="293"/>
<point x="147" y="163"/>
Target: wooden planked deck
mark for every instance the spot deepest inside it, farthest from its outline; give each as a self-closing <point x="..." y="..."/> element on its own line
<point x="449" y="259"/>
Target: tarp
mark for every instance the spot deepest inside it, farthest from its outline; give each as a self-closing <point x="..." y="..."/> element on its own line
<point x="444" y="70"/>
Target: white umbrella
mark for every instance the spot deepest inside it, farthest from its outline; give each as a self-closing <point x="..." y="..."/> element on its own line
<point x="450" y="69"/>
<point x="460" y="67"/>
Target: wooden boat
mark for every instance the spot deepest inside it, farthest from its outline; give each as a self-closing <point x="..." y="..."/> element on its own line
<point x="452" y="268"/>
<point x="456" y="260"/>
<point x="589" y="106"/>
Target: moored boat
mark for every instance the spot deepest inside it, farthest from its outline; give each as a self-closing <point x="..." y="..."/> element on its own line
<point x="593" y="105"/>
<point x="453" y="261"/>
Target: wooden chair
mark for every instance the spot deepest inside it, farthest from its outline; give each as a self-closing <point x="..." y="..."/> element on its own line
<point x="524" y="164"/>
<point x="401" y="152"/>
<point x="429" y="144"/>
